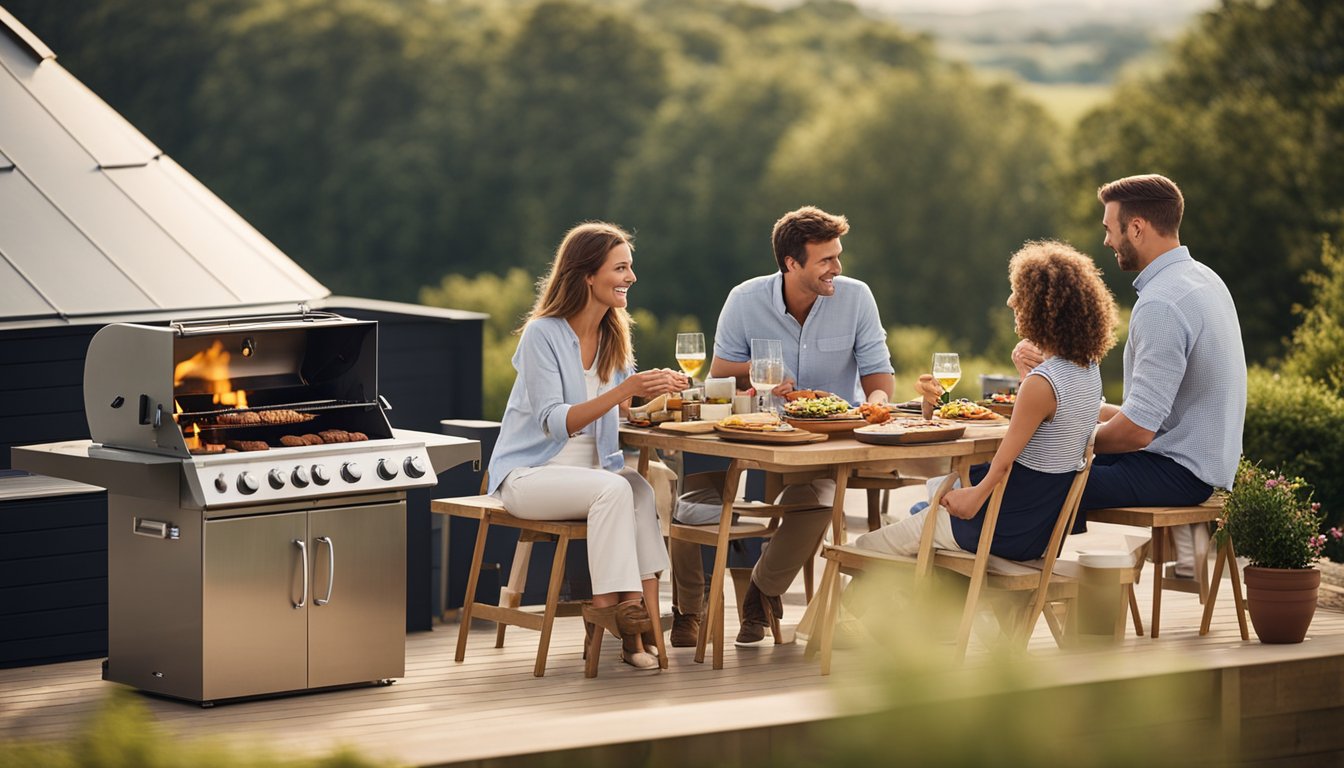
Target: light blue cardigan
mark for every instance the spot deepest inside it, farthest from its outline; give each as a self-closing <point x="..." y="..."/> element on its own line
<point x="550" y="380"/>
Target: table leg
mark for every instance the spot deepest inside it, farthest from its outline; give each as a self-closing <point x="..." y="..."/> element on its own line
<point x="644" y="454"/>
<point x="841" y="477"/>
<point x="714" y="611"/>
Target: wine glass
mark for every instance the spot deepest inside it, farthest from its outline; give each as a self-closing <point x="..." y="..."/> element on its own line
<point x="691" y="353"/>
<point x="767" y="368"/>
<point x="947" y="370"/>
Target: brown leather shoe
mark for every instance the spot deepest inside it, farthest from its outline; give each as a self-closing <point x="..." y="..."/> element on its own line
<point x="760" y="612"/>
<point x="685" y="629"/>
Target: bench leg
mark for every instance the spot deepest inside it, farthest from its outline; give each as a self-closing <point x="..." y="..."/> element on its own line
<point x="473" y="579"/>
<point x="511" y="595"/>
<point x="711" y="630"/>
<point x="552" y="600"/>
<point x="1159" y="559"/>
<point x="829" y="613"/>
<point x="1200" y="533"/>
<point x="1134" y="611"/>
<point x="1226" y="554"/>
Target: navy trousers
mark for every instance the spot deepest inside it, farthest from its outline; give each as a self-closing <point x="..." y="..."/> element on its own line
<point x="1139" y="479"/>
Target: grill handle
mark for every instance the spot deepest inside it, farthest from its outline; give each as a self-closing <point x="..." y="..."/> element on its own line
<point x="303" y="557"/>
<point x="331" y="570"/>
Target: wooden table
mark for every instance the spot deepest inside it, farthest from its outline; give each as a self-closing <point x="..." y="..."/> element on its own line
<point x="835" y="459"/>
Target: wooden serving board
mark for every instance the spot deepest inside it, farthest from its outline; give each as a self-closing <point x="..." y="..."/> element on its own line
<point x="688" y="427"/>
<point x="827" y="426"/>
<point x="793" y="436"/>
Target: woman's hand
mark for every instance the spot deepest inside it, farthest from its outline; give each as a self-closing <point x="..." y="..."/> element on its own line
<point x="654" y="382"/>
<point x="1026" y="355"/>
<point x="962" y="502"/>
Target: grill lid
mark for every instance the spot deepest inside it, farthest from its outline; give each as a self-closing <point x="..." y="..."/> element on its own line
<point x="241" y="383"/>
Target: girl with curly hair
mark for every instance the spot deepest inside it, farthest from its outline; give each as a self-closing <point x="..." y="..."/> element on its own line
<point x="1060" y="303"/>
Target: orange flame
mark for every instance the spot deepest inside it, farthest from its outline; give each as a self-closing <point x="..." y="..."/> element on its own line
<point x="212" y="365"/>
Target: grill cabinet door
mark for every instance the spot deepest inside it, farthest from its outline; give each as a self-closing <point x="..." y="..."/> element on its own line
<point x="360" y="634"/>
<point x="255" y="640"/>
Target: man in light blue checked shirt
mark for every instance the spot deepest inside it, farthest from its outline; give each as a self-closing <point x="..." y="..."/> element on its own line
<point x="832" y="339"/>
<point x="1178" y="434"/>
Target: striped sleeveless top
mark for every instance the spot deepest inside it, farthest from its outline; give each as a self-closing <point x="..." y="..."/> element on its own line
<point x="1059" y="443"/>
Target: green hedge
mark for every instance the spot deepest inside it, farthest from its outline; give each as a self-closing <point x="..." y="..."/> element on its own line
<point x="1297" y="425"/>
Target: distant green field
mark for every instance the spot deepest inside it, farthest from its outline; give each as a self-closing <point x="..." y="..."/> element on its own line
<point x="1066" y="102"/>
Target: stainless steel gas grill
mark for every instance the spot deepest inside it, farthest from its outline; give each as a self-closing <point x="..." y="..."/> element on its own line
<point x="256" y="503"/>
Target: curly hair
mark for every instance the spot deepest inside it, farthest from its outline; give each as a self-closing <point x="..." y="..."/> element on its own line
<point x="1061" y="302"/>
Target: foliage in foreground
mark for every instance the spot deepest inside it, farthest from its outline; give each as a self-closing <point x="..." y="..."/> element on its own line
<point x="123" y="734"/>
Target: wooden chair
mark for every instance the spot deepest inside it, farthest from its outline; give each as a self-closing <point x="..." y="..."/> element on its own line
<point x="708" y="535"/>
<point x="489" y="511"/>
<point x="1161" y="520"/>
<point x="1036" y="580"/>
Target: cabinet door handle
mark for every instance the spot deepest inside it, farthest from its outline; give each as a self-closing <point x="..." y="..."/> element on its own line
<point x="331" y="569"/>
<point x="303" y="558"/>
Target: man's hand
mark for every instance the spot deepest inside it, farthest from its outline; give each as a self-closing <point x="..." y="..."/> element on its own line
<point x="929" y="389"/>
<point x="1026" y="355"/>
<point x="784" y="388"/>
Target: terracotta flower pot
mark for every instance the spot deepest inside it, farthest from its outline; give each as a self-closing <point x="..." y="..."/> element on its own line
<point x="1282" y="602"/>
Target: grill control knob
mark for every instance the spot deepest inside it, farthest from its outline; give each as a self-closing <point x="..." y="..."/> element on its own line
<point x="221" y="484"/>
<point x="300" y="477"/>
<point x="276" y="478"/>
<point x="350" y="472"/>
<point x="247" y="483"/>
<point x="414" y="466"/>
<point x="387" y="470"/>
<point x="320" y="474"/>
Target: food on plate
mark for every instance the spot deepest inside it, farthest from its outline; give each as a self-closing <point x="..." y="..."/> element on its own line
<point x="875" y="413"/>
<point x="1000" y="398"/>
<point x="901" y="426"/>
<point x="809" y="394"/>
<point x="965" y="409"/>
<point x="755" y="422"/>
<point x="827" y="407"/>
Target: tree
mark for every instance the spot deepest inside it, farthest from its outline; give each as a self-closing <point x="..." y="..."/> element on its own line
<point x="575" y="88"/>
<point x="942" y="179"/>
<point x="1249" y="120"/>
<point x="1317" y="349"/>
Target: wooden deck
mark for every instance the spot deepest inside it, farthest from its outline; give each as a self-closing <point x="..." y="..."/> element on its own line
<point x="491" y="708"/>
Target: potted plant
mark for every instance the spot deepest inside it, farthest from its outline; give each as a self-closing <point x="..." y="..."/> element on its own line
<point x="1274" y="523"/>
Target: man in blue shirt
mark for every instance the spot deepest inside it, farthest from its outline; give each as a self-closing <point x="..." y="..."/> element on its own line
<point x="833" y="339"/>
<point x="1178" y="434"/>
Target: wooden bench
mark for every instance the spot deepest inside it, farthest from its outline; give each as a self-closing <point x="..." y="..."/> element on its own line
<point x="489" y="511"/>
<point x="1161" y="520"/>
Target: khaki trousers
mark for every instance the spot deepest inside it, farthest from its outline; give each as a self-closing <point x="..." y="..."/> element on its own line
<point x="792" y="545"/>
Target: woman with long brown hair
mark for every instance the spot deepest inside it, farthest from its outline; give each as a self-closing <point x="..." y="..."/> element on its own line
<point x="558" y="456"/>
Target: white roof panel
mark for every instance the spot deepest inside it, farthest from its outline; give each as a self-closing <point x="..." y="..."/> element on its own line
<point x="95" y="220"/>
<point x="18" y="297"/>
<point x="56" y="258"/>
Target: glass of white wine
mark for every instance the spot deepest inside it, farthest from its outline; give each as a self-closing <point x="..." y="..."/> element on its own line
<point x="947" y="370"/>
<point x="691" y="353"/>
<point x="767" y="368"/>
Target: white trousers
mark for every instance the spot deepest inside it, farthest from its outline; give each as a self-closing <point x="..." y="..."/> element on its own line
<point x="625" y="544"/>
<point x="902" y="538"/>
